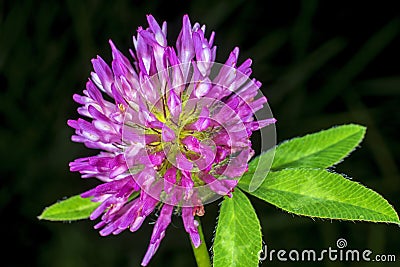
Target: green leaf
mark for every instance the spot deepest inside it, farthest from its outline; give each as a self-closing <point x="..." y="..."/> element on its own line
<point x="73" y="208"/>
<point x="318" y="150"/>
<point x="238" y="238"/>
<point x="319" y="193"/>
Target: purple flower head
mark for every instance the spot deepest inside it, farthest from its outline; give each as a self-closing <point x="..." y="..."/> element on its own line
<point x="173" y="129"/>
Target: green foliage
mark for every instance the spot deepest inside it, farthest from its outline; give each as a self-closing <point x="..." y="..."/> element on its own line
<point x="238" y="235"/>
<point x="318" y="150"/>
<point x="319" y="193"/>
<point x="298" y="182"/>
<point x="73" y="208"/>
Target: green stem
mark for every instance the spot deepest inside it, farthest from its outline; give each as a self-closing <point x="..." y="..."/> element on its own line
<point x="201" y="253"/>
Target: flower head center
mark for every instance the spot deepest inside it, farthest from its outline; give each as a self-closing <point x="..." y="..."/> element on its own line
<point x="182" y="138"/>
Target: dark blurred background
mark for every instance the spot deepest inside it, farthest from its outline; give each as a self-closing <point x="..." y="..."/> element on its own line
<point x="322" y="63"/>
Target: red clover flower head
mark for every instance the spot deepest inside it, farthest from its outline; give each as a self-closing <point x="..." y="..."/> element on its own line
<point x="173" y="129"/>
